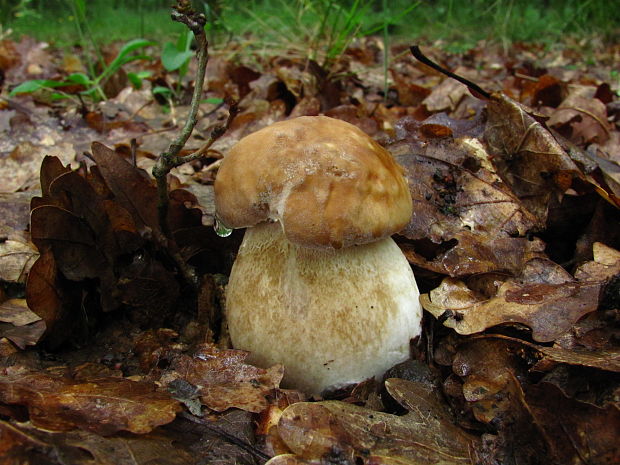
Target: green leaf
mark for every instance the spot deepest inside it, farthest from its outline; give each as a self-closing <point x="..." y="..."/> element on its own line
<point x="57" y="96"/>
<point x="162" y="90"/>
<point x="80" y="9"/>
<point x="172" y="58"/>
<point x="124" y="57"/>
<point x="79" y="78"/>
<point x="136" y="78"/>
<point x="132" y="46"/>
<point x="185" y="41"/>
<point x="213" y="100"/>
<point x="136" y="81"/>
<point x="28" y="87"/>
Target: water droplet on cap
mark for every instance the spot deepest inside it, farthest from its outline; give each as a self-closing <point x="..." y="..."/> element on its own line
<point x="221" y="229"/>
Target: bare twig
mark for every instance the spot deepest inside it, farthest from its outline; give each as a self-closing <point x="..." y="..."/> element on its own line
<point x="417" y="53"/>
<point x="183" y="13"/>
<point x="134" y="149"/>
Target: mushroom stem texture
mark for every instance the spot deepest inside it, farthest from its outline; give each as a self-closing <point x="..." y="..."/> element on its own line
<point x="331" y="316"/>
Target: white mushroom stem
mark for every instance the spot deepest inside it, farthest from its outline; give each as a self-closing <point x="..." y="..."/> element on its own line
<point x="332" y="317"/>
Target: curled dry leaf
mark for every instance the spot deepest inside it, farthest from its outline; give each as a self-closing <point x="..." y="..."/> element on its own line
<point x="336" y="431"/>
<point x="16" y="259"/>
<point x="219" y="378"/>
<point x="527" y="157"/>
<point x="103" y="406"/>
<point x="24" y="443"/>
<point x="466" y="219"/>
<point x="19" y="324"/>
<point x="490" y="372"/>
<point x="103" y="225"/>
<point x="46" y="298"/>
<point x="584" y="115"/>
<point x="545" y="298"/>
<point x="133" y="189"/>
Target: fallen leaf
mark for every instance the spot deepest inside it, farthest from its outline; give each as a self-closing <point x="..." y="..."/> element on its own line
<point x="103" y="406"/>
<point x="18" y="324"/>
<point x="223" y="379"/>
<point x="491" y="372"/>
<point x="527" y="157"/>
<point x="132" y="188"/>
<point x="577" y="432"/>
<point x="584" y="115"/>
<point x="32" y="445"/>
<point x="14" y="210"/>
<point x="465" y="219"/>
<point x="16" y="259"/>
<point x="336" y="431"/>
<point x="46" y="298"/>
<point x="545" y="298"/>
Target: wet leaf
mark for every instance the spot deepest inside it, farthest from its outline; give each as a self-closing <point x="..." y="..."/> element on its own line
<point x="527" y="157"/>
<point x="33" y="445"/>
<point x="544" y="297"/>
<point x="466" y="219"/>
<point x="223" y="379"/>
<point x="333" y="430"/>
<point x="103" y="406"/>
<point x="578" y="432"/>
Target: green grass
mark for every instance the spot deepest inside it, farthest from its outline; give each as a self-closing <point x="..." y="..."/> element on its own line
<point x="324" y="26"/>
<point x="55" y="22"/>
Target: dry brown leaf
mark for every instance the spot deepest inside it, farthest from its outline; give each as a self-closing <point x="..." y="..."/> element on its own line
<point x="577" y="432"/>
<point x="608" y="360"/>
<point x="19" y="170"/>
<point x="223" y="380"/>
<point x="545" y="298"/>
<point x="19" y="324"/>
<point x="465" y="218"/>
<point x="527" y="157"/>
<point x="585" y="116"/>
<point x="16" y="259"/>
<point x="132" y="188"/>
<point x="45" y="298"/>
<point x="491" y="372"/>
<point x="14" y="211"/>
<point x="26" y="444"/>
<point x="337" y="431"/>
<point x="448" y="94"/>
<point x="103" y="406"/>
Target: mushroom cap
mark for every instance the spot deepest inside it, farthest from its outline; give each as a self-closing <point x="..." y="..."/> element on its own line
<point x="327" y="182"/>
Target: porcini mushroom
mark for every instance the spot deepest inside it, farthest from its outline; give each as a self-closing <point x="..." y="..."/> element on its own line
<point x="318" y="284"/>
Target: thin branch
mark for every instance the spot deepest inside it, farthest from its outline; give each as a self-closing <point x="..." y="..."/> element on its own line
<point x="416" y="52"/>
<point x="183" y="13"/>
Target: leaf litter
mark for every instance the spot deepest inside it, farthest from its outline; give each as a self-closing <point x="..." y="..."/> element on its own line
<point x="107" y="355"/>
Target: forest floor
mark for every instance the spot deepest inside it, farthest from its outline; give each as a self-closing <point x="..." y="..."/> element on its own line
<point x="109" y="357"/>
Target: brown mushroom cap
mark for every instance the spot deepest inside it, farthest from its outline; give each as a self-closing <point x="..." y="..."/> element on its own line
<point x="326" y="181"/>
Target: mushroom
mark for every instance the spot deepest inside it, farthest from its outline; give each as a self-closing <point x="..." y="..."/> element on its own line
<point x="318" y="284"/>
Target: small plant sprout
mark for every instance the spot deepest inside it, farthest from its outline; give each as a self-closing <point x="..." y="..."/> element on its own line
<point x="318" y="284"/>
<point x="93" y="84"/>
